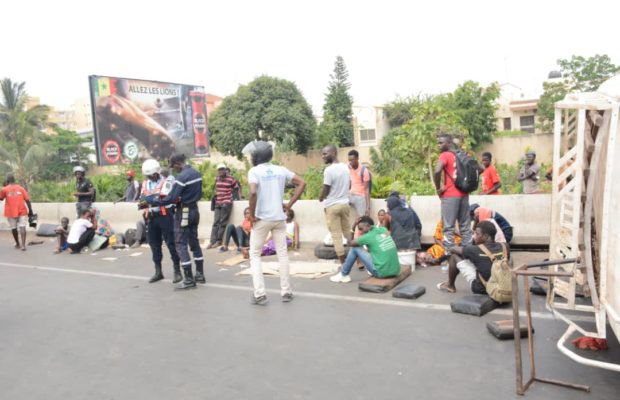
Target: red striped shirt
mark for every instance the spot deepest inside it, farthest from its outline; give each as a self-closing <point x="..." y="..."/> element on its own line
<point x="224" y="188"/>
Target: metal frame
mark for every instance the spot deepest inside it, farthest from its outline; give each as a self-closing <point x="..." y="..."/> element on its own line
<point x="525" y="272"/>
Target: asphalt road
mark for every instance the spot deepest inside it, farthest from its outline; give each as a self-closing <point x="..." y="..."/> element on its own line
<point x="81" y="327"/>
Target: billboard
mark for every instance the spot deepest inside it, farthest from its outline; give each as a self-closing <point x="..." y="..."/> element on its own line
<point x="138" y="119"/>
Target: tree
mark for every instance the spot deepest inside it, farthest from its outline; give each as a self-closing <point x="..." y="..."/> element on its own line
<point x="398" y="112"/>
<point x="336" y="127"/>
<point x="65" y="150"/>
<point x="475" y="106"/>
<point x="22" y="150"/>
<point x="267" y="108"/>
<point x="579" y="74"/>
<point x="413" y="146"/>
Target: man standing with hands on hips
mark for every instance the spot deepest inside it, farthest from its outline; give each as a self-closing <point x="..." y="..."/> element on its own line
<point x="186" y="192"/>
<point x="268" y="215"/>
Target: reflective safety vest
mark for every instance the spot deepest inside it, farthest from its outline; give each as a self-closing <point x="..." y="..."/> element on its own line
<point x="161" y="187"/>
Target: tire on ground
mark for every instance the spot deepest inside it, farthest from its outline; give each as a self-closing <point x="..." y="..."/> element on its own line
<point x="327" y="252"/>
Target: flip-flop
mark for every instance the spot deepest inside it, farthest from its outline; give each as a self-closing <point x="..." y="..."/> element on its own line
<point x="446" y="289"/>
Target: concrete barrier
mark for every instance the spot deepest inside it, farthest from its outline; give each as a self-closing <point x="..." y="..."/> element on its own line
<point x="529" y="215"/>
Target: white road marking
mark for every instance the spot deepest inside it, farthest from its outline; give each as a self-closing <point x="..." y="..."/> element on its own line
<point x="322" y="296"/>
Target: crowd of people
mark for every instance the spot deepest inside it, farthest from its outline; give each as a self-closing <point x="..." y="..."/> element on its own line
<point x="467" y="237"/>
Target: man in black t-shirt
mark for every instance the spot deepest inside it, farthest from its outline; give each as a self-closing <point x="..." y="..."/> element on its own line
<point x="84" y="191"/>
<point x="472" y="262"/>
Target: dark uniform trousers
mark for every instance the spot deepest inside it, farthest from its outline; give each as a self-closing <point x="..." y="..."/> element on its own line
<point x="188" y="235"/>
<point x="161" y="226"/>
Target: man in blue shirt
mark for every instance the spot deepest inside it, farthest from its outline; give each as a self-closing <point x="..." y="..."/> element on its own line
<point x="186" y="192"/>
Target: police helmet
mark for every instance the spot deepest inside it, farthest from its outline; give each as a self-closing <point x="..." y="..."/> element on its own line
<point x="150" y="167"/>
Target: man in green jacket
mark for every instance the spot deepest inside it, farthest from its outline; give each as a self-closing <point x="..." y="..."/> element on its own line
<point x="381" y="259"/>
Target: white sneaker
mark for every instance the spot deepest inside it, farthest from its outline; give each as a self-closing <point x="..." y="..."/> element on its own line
<point x="339" y="278"/>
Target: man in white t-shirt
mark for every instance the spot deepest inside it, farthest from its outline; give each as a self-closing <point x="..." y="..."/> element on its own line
<point x="82" y="231"/>
<point x="268" y="215"/>
<point x="335" y="195"/>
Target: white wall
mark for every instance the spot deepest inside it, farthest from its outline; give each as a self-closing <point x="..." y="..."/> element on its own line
<point x="528" y="214"/>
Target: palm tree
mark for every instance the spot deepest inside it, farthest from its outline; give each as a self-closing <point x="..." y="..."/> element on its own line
<point x="22" y="149"/>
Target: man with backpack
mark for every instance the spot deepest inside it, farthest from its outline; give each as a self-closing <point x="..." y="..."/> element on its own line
<point x="361" y="185"/>
<point x="460" y="177"/>
<point x="476" y="261"/>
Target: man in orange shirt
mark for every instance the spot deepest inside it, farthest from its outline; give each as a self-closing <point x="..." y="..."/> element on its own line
<point x="17" y="208"/>
<point x="359" y="194"/>
<point x="490" y="178"/>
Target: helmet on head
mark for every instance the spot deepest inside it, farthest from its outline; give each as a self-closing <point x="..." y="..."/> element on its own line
<point x="79" y="168"/>
<point x="150" y="167"/>
<point x="260" y="152"/>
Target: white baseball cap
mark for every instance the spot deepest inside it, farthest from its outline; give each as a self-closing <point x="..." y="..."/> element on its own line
<point x="221" y="166"/>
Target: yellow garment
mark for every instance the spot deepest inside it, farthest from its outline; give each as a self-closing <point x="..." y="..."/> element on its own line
<point x="437" y="251"/>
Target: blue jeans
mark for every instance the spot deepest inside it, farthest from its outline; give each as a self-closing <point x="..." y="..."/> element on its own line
<point x="364" y="257"/>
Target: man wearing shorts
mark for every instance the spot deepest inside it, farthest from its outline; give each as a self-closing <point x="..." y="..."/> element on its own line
<point x="17" y="209"/>
<point x="472" y="261"/>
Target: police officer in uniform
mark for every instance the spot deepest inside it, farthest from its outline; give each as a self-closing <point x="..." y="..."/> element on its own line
<point x="186" y="192"/>
<point x="160" y="219"/>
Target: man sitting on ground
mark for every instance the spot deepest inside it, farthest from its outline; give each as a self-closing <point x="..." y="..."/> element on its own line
<point x="381" y="260"/>
<point x="82" y="231"/>
<point x="472" y="261"/>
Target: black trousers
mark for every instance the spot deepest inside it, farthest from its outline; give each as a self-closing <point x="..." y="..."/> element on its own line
<point x="162" y="227"/>
<point x="238" y="236"/>
<point x="220" y="220"/>
<point x="86" y="237"/>
<point x="188" y="235"/>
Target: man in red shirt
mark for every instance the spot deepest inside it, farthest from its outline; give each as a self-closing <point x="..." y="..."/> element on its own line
<point x="454" y="203"/>
<point x="490" y="178"/>
<point x="17" y="208"/>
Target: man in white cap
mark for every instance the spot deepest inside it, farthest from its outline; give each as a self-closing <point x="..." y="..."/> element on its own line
<point x="222" y="203"/>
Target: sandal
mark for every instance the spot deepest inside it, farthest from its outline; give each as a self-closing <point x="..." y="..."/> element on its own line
<point x="443" y="287"/>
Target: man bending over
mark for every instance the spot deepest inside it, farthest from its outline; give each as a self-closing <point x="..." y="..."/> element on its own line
<point x="381" y="260"/>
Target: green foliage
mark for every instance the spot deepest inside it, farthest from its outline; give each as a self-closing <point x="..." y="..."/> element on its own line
<point x="66" y="149"/>
<point x="475" y="107"/>
<point x="52" y="192"/>
<point x="579" y="74"/>
<point x="314" y="182"/>
<point x="336" y="127"/>
<point x="21" y="148"/>
<point x="386" y="159"/>
<point x="275" y="107"/>
<point x="399" y="111"/>
<point x="552" y="93"/>
<point x="110" y="187"/>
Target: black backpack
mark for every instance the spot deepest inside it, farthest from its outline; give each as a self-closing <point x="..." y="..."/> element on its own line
<point x="467" y="172"/>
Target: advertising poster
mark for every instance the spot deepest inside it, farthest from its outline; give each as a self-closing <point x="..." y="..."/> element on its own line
<point x="138" y="119"/>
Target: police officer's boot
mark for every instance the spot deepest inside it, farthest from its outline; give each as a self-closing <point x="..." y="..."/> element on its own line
<point x="158" y="275"/>
<point x="188" y="282"/>
<point x="177" y="274"/>
<point x="200" y="275"/>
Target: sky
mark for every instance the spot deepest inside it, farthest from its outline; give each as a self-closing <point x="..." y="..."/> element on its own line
<point x="391" y="48"/>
